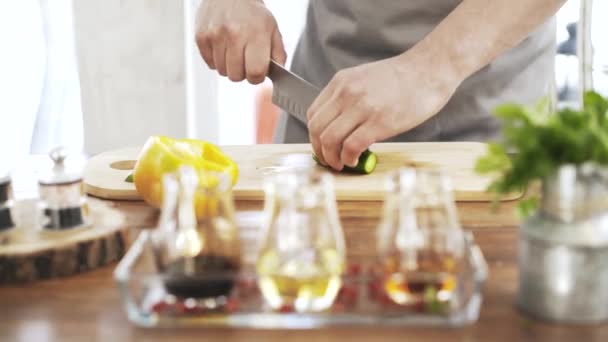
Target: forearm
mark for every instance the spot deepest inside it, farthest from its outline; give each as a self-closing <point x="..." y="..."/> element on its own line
<point x="478" y="31"/>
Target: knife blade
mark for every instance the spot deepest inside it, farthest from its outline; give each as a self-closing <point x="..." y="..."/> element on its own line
<point x="290" y="92"/>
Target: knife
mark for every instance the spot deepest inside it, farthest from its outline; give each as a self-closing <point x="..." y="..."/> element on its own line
<point x="290" y="92"/>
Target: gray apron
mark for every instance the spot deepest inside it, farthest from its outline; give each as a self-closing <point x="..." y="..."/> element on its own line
<point x="345" y="33"/>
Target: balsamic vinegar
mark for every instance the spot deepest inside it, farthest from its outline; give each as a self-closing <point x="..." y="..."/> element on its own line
<point x="204" y="276"/>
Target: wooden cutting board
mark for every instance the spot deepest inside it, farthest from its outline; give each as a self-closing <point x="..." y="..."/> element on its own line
<point x="105" y="173"/>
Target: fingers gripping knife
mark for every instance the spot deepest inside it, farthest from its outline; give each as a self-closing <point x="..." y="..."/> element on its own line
<point x="295" y="95"/>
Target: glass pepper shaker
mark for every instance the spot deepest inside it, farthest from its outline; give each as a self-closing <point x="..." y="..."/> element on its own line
<point x="7" y="222"/>
<point x="302" y="251"/>
<point x="63" y="200"/>
<point x="197" y="241"/>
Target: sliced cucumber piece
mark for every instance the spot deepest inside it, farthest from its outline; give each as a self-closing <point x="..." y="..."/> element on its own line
<point x="367" y="163"/>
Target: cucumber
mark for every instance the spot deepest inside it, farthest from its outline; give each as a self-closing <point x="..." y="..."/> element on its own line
<point x="366" y="165"/>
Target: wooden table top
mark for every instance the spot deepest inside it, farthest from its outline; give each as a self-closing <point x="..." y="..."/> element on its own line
<point x="87" y="306"/>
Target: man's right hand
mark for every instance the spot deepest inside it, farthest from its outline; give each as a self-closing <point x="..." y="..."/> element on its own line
<point x="238" y="38"/>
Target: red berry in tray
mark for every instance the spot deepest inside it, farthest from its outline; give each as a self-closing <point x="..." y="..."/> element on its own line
<point x="353" y="270"/>
<point x="384" y="299"/>
<point x="374" y="288"/>
<point x="348" y="293"/>
<point x="247" y="287"/>
<point x="161" y="307"/>
<point x="351" y="291"/>
<point x="286" y="308"/>
<point x="179" y="308"/>
<point x="232" y="305"/>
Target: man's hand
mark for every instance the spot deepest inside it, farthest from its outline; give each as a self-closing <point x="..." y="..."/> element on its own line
<point x="238" y="37"/>
<point x="373" y="102"/>
<point x="376" y="101"/>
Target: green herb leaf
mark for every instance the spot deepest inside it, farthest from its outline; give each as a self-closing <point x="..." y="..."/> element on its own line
<point x="543" y="142"/>
<point x="432" y="303"/>
<point x="496" y="159"/>
<point x="526" y="207"/>
<point x="129" y="178"/>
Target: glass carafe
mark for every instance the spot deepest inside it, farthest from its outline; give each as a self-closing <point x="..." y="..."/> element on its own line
<point x="197" y="242"/>
<point x="302" y="251"/>
<point x="420" y="241"/>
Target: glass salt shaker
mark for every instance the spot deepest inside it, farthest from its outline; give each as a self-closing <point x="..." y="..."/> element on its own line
<point x="420" y="241"/>
<point x="7" y="221"/>
<point x="62" y="197"/>
<point x="197" y="241"/>
<point x="302" y="252"/>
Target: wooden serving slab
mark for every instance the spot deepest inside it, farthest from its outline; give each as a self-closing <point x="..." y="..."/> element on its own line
<point x="28" y="254"/>
<point x="105" y="173"/>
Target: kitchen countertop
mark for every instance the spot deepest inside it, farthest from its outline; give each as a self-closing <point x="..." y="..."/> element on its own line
<point x="87" y="306"/>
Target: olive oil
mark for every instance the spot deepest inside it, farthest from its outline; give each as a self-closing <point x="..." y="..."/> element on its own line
<point x="302" y="247"/>
<point x="307" y="281"/>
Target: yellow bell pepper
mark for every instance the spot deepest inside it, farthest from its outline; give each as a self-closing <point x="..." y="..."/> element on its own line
<point x="161" y="155"/>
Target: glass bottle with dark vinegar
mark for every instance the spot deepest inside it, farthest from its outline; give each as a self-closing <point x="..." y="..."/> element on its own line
<point x="198" y="247"/>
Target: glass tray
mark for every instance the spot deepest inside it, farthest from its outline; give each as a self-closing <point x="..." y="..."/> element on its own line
<point x="359" y="301"/>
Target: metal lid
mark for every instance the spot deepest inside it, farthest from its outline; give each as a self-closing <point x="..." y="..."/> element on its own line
<point x="60" y="173"/>
<point x="576" y="193"/>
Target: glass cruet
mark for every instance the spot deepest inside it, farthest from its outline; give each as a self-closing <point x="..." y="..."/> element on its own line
<point x="197" y="241"/>
<point x="302" y="252"/>
<point x="420" y="242"/>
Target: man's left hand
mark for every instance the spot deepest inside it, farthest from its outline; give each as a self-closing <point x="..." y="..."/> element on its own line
<point x="373" y="102"/>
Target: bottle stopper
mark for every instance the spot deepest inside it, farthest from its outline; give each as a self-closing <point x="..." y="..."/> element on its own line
<point x="60" y="173"/>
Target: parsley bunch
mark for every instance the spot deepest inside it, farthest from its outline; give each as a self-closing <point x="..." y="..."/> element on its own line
<point x="536" y="144"/>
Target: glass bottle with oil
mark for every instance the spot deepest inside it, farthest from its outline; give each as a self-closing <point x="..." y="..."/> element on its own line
<point x="302" y="252"/>
<point x="420" y="241"/>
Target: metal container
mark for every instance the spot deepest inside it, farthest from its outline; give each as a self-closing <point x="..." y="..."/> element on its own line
<point x="563" y="249"/>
